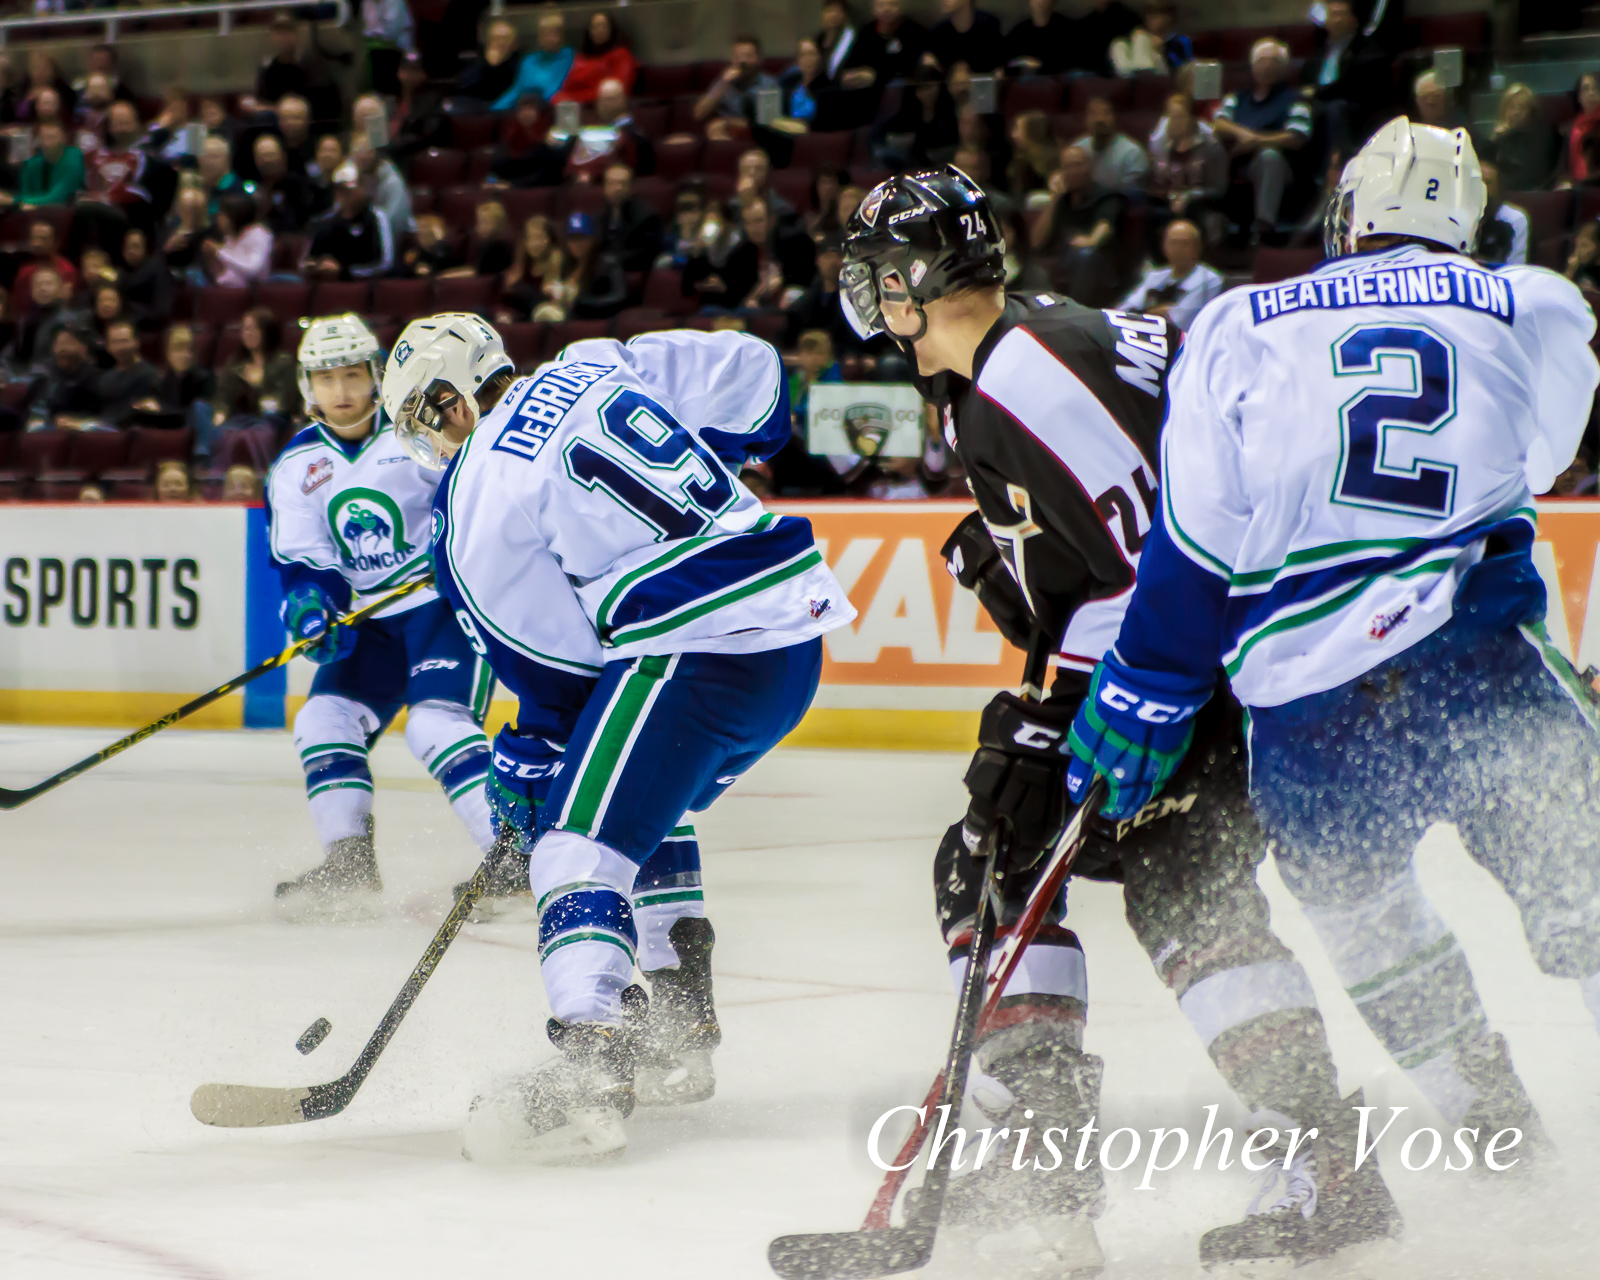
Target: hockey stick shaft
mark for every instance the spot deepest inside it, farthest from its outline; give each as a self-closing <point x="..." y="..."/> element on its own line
<point x="236" y="1106"/>
<point x="11" y="799"/>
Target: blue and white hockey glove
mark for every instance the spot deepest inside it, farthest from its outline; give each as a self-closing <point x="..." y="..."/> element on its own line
<point x="308" y="612"/>
<point x="524" y="769"/>
<point x="1133" y="729"/>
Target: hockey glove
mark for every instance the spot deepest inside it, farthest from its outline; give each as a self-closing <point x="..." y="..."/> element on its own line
<point x="1132" y="729"/>
<point x="524" y="768"/>
<point x="975" y="562"/>
<point x="1018" y="774"/>
<point x="308" y="612"/>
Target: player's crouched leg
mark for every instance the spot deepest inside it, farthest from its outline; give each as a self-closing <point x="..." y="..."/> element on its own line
<point x="330" y="734"/>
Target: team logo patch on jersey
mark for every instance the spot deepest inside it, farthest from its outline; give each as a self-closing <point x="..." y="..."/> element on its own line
<point x="317" y="474"/>
<point x="820" y="607"/>
<point x="1384" y="624"/>
<point x="369" y="529"/>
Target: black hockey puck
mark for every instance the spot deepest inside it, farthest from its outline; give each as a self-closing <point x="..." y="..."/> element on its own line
<point x="313" y="1035"/>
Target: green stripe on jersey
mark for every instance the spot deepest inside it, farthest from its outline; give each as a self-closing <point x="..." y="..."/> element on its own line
<point x="660" y="626"/>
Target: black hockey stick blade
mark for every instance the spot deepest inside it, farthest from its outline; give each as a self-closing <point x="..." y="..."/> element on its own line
<point x="852" y="1255"/>
<point x="14" y="798"/>
<point x="246" y="1106"/>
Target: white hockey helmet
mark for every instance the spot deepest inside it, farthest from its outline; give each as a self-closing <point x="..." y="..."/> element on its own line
<point x="335" y="342"/>
<point x="1409" y="180"/>
<point x="435" y="361"/>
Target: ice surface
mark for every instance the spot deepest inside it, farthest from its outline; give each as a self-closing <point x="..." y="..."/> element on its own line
<point x="141" y="957"/>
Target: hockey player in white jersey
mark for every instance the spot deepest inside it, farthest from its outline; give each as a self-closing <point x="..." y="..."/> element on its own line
<point x="592" y="522"/>
<point x="1346" y="526"/>
<point x="350" y="513"/>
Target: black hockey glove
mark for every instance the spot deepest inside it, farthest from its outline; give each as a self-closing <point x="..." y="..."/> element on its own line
<point x="974" y="561"/>
<point x="1019" y="773"/>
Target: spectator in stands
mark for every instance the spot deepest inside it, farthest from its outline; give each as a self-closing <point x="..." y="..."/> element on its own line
<point x="1349" y="77"/>
<point x="814" y="362"/>
<point x="131" y="380"/>
<point x="240" y="484"/>
<point x="850" y="199"/>
<point x="325" y="162"/>
<point x="238" y="252"/>
<point x="144" y="280"/>
<point x="168" y="136"/>
<point x="1524" y="144"/>
<point x="596" y="288"/>
<point x="68" y="397"/>
<point x="89" y="118"/>
<point x="1587" y="98"/>
<point x="706" y="276"/>
<point x="1077" y="228"/>
<point x="1583" y="264"/>
<point x="835" y="38"/>
<point x="433" y="253"/>
<point x="43" y="253"/>
<point x="288" y="70"/>
<point x="974" y="162"/>
<point x="54" y="174"/>
<point x="924" y="130"/>
<point x="682" y="237"/>
<point x="817" y="308"/>
<point x="419" y="120"/>
<point x="116" y="194"/>
<point x="531" y="288"/>
<point x="216" y="121"/>
<point x="967" y="34"/>
<point x="215" y="168"/>
<point x="106" y="307"/>
<point x="493" y="73"/>
<point x="492" y="252"/>
<point x="732" y="96"/>
<point x="258" y="386"/>
<point x="363" y="112"/>
<point x="173" y="481"/>
<point x="95" y="269"/>
<point x="1434" y="105"/>
<point x="1119" y="162"/>
<point x="1188" y="172"/>
<point x="1106" y="20"/>
<point x="1041" y="44"/>
<point x="523" y="157"/>
<point x="186" y="389"/>
<point x="612" y="139"/>
<point x="629" y="228"/>
<point x="390" y="195"/>
<point x="184" y="231"/>
<point x="1154" y="46"/>
<point x="754" y="177"/>
<point x="604" y="55"/>
<point x="283" y="199"/>
<point x="1179" y="289"/>
<point x="1261" y="127"/>
<point x="543" y="71"/>
<point x="1503" y="232"/>
<point x="45" y="311"/>
<point x="802" y="84"/>
<point x="887" y="49"/>
<point x="294" y="132"/>
<point x="1035" y="155"/>
<point x="104" y="60"/>
<point x="352" y="241"/>
<point x="824" y="216"/>
<point x="390" y="33"/>
<point x="44" y="78"/>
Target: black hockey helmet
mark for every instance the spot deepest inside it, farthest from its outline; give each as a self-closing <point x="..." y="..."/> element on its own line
<point x="933" y="229"/>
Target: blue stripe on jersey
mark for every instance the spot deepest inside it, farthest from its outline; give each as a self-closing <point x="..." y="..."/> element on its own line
<point x="763" y="441"/>
<point x="719" y="565"/>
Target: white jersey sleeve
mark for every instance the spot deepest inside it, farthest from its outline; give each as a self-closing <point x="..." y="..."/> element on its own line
<point x="728" y="389"/>
<point x="1556" y="327"/>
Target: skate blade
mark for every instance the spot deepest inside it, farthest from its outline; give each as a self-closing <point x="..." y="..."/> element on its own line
<point x="496" y="1133"/>
<point x="356" y="907"/>
<point x="690" y="1080"/>
<point x="1058" y="1247"/>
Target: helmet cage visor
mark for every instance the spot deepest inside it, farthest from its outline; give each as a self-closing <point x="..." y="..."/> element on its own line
<point x="419" y="425"/>
<point x="1337" y="223"/>
<point x="858" y="299"/>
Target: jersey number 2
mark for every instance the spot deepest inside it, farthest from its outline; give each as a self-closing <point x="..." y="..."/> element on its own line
<point x="670" y="481"/>
<point x="1370" y="420"/>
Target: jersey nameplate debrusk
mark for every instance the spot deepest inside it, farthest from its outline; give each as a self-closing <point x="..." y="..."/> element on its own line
<point x="1074" y="400"/>
<point x="359" y="509"/>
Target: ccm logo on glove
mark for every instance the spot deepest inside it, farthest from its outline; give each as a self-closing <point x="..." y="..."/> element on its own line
<point x="1036" y="736"/>
<point x="1125" y="700"/>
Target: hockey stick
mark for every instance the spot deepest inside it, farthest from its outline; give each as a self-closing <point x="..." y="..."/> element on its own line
<point x="10" y="799"/>
<point x="879" y="1249"/>
<point x="246" y="1106"/>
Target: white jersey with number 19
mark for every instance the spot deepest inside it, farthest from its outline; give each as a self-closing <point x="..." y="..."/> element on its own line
<point x="1341" y="447"/>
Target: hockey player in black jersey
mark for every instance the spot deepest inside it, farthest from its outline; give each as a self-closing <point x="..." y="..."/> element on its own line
<point x="1055" y="411"/>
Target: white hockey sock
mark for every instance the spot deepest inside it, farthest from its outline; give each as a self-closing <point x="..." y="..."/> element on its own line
<point x="472" y="807"/>
<point x="1591" y="996"/>
<point x="654" y="922"/>
<point x="586" y="931"/>
<point x="340" y="813"/>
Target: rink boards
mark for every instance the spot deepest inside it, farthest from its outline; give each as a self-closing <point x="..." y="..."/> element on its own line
<point x="112" y="614"/>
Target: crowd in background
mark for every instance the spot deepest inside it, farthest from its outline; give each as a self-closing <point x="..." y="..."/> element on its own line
<point x="162" y="248"/>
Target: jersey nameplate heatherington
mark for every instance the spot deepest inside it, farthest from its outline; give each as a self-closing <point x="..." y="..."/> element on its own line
<point x="1446" y="284"/>
<point x="544" y="405"/>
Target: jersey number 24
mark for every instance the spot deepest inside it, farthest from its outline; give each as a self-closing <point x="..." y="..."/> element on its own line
<point x="1416" y="397"/>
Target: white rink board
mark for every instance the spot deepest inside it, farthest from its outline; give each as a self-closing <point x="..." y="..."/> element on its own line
<point x="143" y="959"/>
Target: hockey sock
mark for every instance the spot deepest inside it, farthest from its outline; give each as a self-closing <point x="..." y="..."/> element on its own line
<point x="445" y="737"/>
<point x="1591" y="996"/>
<point x="1050" y="984"/>
<point x="1408" y="977"/>
<point x="339" y="791"/>
<point x="666" y="890"/>
<point x="587" y="938"/>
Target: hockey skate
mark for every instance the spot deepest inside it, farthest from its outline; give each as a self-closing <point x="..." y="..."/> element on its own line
<point x="1309" y="1207"/>
<point x="571" y="1109"/>
<point x="1502" y="1103"/>
<point x="508" y="893"/>
<point x="681" y="1031"/>
<point x="340" y="888"/>
<point x="1032" y="1221"/>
